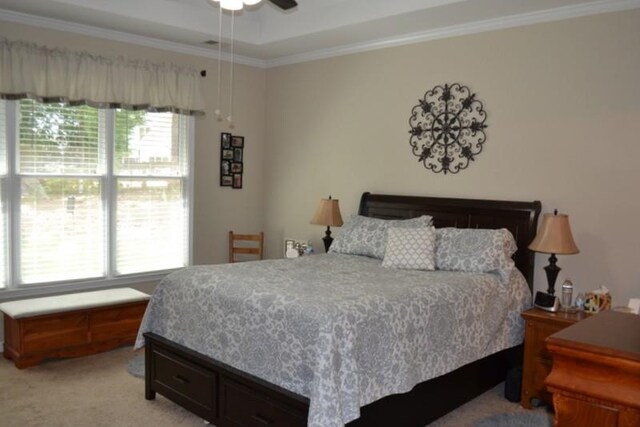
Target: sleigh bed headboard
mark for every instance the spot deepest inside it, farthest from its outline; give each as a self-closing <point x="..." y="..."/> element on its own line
<point x="521" y="218"/>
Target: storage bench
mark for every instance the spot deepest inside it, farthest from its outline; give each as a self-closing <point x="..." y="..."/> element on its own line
<point x="71" y="325"/>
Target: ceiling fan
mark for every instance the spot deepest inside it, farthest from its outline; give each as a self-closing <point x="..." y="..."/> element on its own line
<point x="284" y="4"/>
<point x="238" y="4"/>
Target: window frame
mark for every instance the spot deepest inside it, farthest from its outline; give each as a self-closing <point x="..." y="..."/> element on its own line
<point x="108" y="180"/>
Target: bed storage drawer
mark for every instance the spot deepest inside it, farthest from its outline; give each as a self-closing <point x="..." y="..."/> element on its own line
<point x="217" y="392"/>
<point x="185" y="382"/>
<point x="244" y="407"/>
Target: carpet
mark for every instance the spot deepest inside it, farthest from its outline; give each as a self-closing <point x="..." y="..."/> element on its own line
<point x="136" y="366"/>
<point x="517" y="419"/>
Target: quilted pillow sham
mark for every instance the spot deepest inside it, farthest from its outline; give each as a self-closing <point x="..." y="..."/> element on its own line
<point x="410" y="248"/>
<point x="476" y="250"/>
<point x="363" y="235"/>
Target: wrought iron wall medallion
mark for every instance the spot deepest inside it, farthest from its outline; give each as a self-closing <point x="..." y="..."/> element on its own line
<point x="447" y="128"/>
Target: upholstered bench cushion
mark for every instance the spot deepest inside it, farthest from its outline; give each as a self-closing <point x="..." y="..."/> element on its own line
<point x="61" y="303"/>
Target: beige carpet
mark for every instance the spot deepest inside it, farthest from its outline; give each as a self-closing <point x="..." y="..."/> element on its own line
<point x="98" y="391"/>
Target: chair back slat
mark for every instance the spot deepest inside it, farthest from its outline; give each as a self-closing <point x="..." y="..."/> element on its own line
<point x="256" y="249"/>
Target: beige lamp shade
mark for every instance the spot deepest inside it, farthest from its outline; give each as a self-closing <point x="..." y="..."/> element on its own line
<point x="328" y="213"/>
<point x="554" y="236"/>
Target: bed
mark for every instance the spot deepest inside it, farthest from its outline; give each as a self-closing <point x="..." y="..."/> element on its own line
<point x="204" y="368"/>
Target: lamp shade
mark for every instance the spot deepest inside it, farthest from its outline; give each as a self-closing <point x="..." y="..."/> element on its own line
<point x="328" y="213"/>
<point x="554" y="236"/>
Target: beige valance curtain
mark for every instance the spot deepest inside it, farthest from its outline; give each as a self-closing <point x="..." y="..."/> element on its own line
<point x="59" y="75"/>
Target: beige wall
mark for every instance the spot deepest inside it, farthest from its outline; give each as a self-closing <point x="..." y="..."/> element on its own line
<point x="563" y="103"/>
<point x="216" y="209"/>
<point x="563" y="113"/>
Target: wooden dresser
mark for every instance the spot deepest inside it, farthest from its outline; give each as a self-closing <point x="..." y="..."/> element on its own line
<point x="537" y="362"/>
<point x="595" y="378"/>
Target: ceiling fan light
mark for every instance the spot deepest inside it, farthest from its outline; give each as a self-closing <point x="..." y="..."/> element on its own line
<point x="231" y="4"/>
<point x="251" y="2"/>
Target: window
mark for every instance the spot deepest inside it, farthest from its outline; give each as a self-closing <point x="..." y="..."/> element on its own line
<point x="99" y="194"/>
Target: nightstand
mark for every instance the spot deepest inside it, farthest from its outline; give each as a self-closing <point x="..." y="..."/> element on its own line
<point x="537" y="361"/>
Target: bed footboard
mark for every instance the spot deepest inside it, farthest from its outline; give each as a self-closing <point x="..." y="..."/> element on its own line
<point x="228" y="397"/>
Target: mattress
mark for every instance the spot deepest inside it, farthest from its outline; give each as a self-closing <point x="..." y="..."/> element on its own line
<point x="338" y="329"/>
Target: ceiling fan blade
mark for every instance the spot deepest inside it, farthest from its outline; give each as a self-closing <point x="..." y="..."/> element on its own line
<point x="284" y="4"/>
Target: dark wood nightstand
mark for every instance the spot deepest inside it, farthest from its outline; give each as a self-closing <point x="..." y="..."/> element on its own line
<point x="537" y="361"/>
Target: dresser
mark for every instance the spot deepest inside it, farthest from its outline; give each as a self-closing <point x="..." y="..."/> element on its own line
<point x="595" y="378"/>
<point x="537" y="362"/>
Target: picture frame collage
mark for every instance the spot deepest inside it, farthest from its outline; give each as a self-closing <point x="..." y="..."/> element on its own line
<point x="231" y="160"/>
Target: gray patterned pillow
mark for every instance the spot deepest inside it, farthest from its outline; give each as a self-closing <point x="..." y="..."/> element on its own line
<point x="478" y="250"/>
<point x="362" y="235"/>
<point x="410" y="248"/>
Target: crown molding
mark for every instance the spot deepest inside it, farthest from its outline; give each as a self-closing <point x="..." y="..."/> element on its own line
<point x="549" y="15"/>
<point x="118" y="36"/>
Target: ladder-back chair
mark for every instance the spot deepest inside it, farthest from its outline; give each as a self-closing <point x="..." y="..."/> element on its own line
<point x="255" y="240"/>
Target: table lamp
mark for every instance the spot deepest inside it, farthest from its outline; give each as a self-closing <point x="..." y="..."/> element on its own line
<point x="555" y="238"/>
<point x="328" y="214"/>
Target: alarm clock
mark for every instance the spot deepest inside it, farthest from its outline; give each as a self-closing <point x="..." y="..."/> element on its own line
<point x="546" y="302"/>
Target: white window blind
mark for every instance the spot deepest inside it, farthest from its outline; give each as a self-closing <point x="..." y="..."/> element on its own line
<point x="151" y="211"/>
<point x="3" y="206"/>
<point x="95" y="194"/>
<point x="57" y="140"/>
<point x="61" y="229"/>
<point x="61" y="212"/>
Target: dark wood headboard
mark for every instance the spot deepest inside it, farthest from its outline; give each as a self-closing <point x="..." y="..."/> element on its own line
<point x="521" y="218"/>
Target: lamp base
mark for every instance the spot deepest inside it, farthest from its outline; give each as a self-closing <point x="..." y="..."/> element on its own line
<point x="327" y="239"/>
<point x="552" y="271"/>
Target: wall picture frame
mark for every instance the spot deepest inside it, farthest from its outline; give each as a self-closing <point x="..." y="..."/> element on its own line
<point x="237" y="180"/>
<point x="231" y="160"/>
<point x="236" y="167"/>
<point x="237" y="141"/>
<point x="225" y="140"/>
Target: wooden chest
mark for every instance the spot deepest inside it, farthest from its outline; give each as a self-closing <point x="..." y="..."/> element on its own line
<point x="30" y="340"/>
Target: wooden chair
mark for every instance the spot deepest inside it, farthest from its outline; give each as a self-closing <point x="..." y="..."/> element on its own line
<point x="256" y="249"/>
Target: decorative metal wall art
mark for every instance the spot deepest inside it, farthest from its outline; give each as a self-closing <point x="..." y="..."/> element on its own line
<point x="447" y="128"/>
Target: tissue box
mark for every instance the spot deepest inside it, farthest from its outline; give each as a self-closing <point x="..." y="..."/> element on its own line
<point x="597" y="301"/>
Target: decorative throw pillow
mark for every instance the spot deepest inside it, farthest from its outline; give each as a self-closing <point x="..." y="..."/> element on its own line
<point x="410" y="248"/>
<point x="362" y="235"/>
<point x="468" y="249"/>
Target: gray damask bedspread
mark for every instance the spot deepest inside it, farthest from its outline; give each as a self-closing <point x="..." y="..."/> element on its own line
<point x="339" y="329"/>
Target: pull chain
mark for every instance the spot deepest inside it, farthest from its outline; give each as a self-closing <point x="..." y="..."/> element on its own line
<point x="230" y="117"/>
<point x="218" y="112"/>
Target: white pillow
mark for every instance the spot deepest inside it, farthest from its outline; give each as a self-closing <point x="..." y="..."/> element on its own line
<point x="410" y="248"/>
<point x="362" y="235"/>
